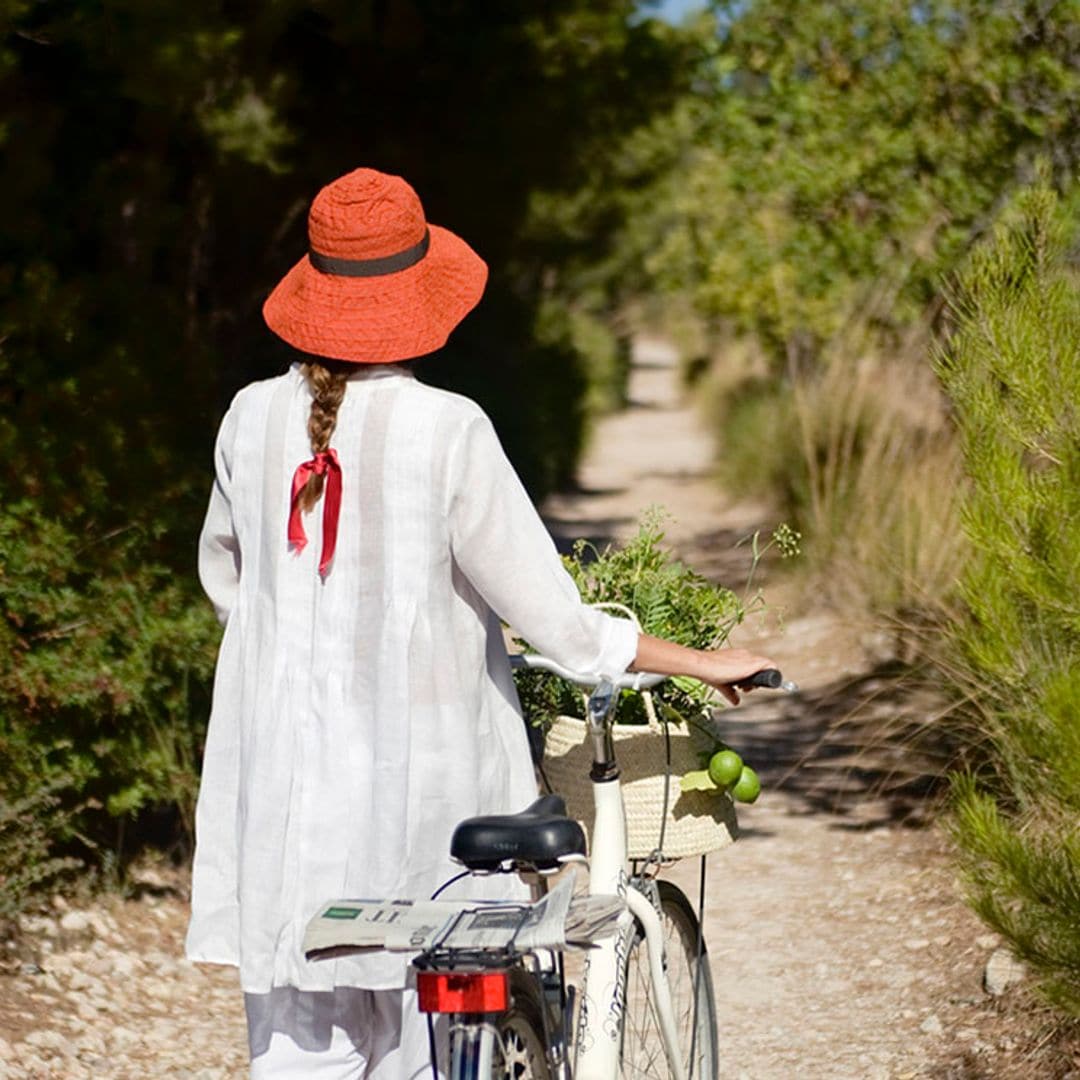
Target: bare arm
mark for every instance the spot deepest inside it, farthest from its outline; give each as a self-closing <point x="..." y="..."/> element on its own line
<point x="721" y="668"/>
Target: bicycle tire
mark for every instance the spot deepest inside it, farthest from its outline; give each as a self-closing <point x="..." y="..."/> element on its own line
<point x="520" y="1051"/>
<point x="642" y="1056"/>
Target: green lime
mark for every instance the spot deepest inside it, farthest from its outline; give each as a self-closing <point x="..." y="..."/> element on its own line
<point x="748" y="787"/>
<point x="725" y="767"/>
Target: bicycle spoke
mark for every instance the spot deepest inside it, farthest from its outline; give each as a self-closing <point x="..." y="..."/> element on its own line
<point x="643" y="1053"/>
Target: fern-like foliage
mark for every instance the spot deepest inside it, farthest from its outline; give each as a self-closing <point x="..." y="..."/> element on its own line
<point x="670" y="601"/>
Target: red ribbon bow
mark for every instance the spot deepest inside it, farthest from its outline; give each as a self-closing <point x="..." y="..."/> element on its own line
<point x="322" y="464"/>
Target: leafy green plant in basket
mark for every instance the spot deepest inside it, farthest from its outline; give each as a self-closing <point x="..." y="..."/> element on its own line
<point x="670" y="600"/>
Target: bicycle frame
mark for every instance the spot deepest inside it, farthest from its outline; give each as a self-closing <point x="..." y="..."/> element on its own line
<point x="603" y="991"/>
<point x="604" y="985"/>
<point x="597" y="1043"/>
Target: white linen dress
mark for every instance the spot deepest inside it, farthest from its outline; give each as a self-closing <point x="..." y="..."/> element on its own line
<point x="357" y="718"/>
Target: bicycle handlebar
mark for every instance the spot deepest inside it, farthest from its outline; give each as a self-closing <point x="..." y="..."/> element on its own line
<point x="768" y="678"/>
<point x="632" y="680"/>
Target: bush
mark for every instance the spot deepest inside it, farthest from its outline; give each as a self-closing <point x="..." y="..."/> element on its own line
<point x="29" y="828"/>
<point x="105" y="662"/>
<point x="1012" y="369"/>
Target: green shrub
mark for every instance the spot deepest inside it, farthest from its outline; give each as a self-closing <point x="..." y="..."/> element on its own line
<point x="29" y="828"/>
<point x="105" y="662"/>
<point x="758" y="444"/>
<point x="1012" y="369"/>
<point x="605" y="356"/>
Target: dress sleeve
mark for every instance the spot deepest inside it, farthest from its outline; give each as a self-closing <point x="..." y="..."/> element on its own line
<point x="504" y="549"/>
<point x="219" y="549"/>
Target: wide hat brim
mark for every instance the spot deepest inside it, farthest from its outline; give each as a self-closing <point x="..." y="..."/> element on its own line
<point x="382" y="319"/>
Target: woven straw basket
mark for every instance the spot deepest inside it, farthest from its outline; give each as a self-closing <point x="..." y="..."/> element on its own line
<point x="697" y="821"/>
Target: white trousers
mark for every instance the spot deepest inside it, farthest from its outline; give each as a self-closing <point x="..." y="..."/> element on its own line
<point x="343" y="1034"/>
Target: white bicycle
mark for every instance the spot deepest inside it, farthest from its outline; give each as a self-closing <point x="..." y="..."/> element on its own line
<point x="643" y="1005"/>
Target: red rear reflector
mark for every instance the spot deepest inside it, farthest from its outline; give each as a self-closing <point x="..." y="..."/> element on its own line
<point x="462" y="991"/>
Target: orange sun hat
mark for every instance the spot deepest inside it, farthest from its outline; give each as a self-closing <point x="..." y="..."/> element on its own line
<point x="378" y="283"/>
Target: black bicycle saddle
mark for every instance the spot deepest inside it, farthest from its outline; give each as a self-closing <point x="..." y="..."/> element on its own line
<point x="540" y="835"/>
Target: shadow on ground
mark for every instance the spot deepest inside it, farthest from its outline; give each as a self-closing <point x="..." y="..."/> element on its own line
<point x="862" y="748"/>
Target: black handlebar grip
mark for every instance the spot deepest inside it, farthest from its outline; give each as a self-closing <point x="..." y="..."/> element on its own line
<point x="769" y="678"/>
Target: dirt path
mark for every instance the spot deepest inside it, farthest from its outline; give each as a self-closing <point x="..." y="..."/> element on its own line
<point x="839" y="946"/>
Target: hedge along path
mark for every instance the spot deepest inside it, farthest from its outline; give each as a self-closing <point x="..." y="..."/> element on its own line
<point x="839" y="944"/>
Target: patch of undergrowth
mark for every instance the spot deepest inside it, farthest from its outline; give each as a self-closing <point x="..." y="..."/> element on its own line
<point x="1012" y="370"/>
<point x="105" y="662"/>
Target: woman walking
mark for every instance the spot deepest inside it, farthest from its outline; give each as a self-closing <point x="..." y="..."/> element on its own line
<point x="364" y="537"/>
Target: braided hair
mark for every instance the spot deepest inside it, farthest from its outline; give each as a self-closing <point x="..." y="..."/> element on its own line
<point x="327" y="379"/>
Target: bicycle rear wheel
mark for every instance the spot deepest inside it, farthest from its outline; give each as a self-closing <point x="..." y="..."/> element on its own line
<point x="520" y="1047"/>
<point x="690" y="982"/>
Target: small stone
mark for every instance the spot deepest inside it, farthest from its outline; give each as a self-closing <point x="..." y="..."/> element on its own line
<point x="61" y="964"/>
<point x="99" y="924"/>
<point x="875" y="962"/>
<point x="124" y="964"/>
<point x="46" y="1040"/>
<point x="150" y="878"/>
<point x="100" y="965"/>
<point x="916" y="944"/>
<point x="39" y="925"/>
<point x="33" y="1064"/>
<point x="75" y="922"/>
<point x="121" y="1037"/>
<point x="1002" y="971"/>
<point x="988" y="941"/>
<point x="91" y="1042"/>
<point x="931" y="1025"/>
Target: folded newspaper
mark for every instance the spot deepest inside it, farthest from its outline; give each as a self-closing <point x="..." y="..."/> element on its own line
<point x="557" y="921"/>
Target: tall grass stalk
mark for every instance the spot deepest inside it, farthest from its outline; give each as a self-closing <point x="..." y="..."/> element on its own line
<point x="876" y="480"/>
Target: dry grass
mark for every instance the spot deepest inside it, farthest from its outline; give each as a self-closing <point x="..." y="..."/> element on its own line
<point x="882" y="477"/>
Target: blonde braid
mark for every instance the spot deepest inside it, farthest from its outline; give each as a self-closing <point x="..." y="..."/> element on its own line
<point x="327" y="381"/>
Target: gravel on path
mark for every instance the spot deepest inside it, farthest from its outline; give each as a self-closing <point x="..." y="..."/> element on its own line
<point x="105" y="993"/>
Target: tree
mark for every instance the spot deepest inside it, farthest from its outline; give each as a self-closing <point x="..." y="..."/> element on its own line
<point x="836" y="161"/>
